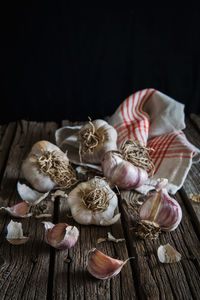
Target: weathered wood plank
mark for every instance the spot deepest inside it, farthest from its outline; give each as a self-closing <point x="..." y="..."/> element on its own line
<point x="163" y="281"/>
<point x="24" y="269"/>
<point x="192" y="182"/>
<point x="72" y="280"/>
<point x="7" y="132"/>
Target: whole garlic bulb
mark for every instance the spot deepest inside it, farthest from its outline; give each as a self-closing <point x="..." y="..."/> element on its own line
<point x="93" y="202"/>
<point x="121" y="172"/>
<point x="96" y="138"/>
<point x="42" y="167"/>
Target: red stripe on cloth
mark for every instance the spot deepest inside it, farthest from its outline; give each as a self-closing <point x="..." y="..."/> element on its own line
<point x="170" y="140"/>
<point x="123" y="114"/>
<point x="136" y="117"/>
<point x="130" y="120"/>
<point x="177" y="156"/>
<point x="144" y="116"/>
<point x="157" y="142"/>
<point x="134" y="121"/>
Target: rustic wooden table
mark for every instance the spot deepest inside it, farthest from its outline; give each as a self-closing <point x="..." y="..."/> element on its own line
<point x="37" y="271"/>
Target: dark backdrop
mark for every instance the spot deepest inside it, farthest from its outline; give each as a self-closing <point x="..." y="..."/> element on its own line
<point x="58" y="63"/>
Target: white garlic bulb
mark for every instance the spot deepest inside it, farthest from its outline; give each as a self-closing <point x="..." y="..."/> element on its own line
<point x="93" y="202"/>
<point x="47" y="166"/>
<point x="96" y="138"/>
<point x="121" y="172"/>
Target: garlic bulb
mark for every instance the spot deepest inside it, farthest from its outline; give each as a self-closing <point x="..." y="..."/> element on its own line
<point x="61" y="236"/>
<point x="93" y="202"/>
<point x="19" y="210"/>
<point x="121" y="172"/>
<point x="47" y="166"/>
<point x="102" y="266"/>
<point x="15" y="233"/>
<point x="96" y="138"/>
<point x="160" y="208"/>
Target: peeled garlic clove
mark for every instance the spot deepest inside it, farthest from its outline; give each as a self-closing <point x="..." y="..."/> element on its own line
<point x="47" y="166"/>
<point x="61" y="236"/>
<point x="15" y="233"/>
<point x="167" y="254"/>
<point x="121" y="172"/>
<point x="160" y="208"/>
<point x="102" y="266"/>
<point x="19" y="210"/>
<point x="96" y="138"/>
<point x="29" y="195"/>
<point x="93" y="202"/>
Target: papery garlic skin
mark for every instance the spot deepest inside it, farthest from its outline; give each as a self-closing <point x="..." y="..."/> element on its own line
<point x="107" y="142"/>
<point x="15" y="233"/>
<point x="102" y="266"/>
<point x="121" y="172"/>
<point x="167" y="254"/>
<point x="159" y="207"/>
<point x="38" y="180"/>
<point x="61" y="236"/>
<point x="85" y="216"/>
<point x="19" y="210"/>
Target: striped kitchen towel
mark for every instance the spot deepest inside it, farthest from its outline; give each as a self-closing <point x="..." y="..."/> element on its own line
<point x="157" y="121"/>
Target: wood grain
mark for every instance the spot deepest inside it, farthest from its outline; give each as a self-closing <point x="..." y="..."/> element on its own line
<point x="25" y="269"/>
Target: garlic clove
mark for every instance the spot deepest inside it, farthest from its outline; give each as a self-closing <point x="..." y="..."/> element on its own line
<point x="15" y="233"/>
<point x="19" y="210"/>
<point x="29" y="195"/>
<point x="121" y="172"/>
<point x="167" y="254"/>
<point x="160" y="208"/>
<point x="61" y="236"/>
<point x="102" y="266"/>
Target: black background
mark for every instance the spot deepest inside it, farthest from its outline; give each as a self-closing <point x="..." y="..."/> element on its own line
<point x="60" y="63"/>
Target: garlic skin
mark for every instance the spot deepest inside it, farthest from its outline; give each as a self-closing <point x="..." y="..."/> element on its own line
<point x="15" y="234"/>
<point x="102" y="266"/>
<point x="30" y="196"/>
<point x="167" y="254"/>
<point x="60" y="236"/>
<point x="38" y="180"/>
<point x="160" y="208"/>
<point x="107" y="140"/>
<point x="121" y="172"/>
<point x="85" y="216"/>
<point x="19" y="210"/>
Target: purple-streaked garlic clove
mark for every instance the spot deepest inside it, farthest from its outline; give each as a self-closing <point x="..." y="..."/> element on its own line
<point x="102" y="266"/>
<point x="19" y="210"/>
<point x="121" y="172"/>
<point x="167" y="254"/>
<point x="60" y="236"/>
<point x="32" y="197"/>
<point x="160" y="208"/>
<point x="15" y="234"/>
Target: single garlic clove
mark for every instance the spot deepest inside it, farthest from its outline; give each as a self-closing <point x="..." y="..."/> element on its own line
<point x="29" y="195"/>
<point x="61" y="236"/>
<point x="167" y="254"/>
<point x="15" y="233"/>
<point x="102" y="266"/>
<point x="160" y="208"/>
<point x="121" y="172"/>
<point x="19" y="210"/>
